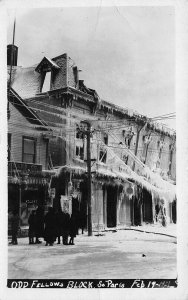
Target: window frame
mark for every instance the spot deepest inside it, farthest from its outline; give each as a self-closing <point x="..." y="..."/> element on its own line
<point x="79" y="149"/>
<point x="102" y="150"/>
<point x="9" y="144"/>
<point x="23" y="153"/>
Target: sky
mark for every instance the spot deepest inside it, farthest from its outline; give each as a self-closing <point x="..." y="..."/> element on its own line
<point x="127" y="54"/>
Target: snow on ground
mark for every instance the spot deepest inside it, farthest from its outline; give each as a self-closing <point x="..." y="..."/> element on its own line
<point x="122" y="254"/>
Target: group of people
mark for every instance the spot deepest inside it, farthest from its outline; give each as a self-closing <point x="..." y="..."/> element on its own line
<point x="53" y="226"/>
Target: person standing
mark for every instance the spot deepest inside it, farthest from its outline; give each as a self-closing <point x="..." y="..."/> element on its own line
<point x="39" y="224"/>
<point x="59" y="219"/>
<point x="50" y="227"/>
<point x="14" y="227"/>
<point x="65" y="227"/>
<point x="73" y="229"/>
<point x="31" y="222"/>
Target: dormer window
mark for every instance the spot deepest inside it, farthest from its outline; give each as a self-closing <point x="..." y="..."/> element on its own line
<point x="46" y="86"/>
<point x="46" y="67"/>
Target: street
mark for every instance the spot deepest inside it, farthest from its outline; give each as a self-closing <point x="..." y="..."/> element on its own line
<point x="124" y="254"/>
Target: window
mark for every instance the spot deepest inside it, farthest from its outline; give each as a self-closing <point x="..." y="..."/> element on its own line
<point x="170" y="159"/>
<point x="128" y="135"/>
<point x="80" y="144"/>
<point x="125" y="158"/>
<point x="103" y="152"/>
<point x="75" y="72"/>
<point x="29" y="150"/>
<point x="9" y="146"/>
<point x="47" y="83"/>
<point x="128" y="141"/>
<point x="160" y="153"/>
<point x="80" y="152"/>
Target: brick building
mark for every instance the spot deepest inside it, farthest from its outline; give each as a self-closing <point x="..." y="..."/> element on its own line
<point x="134" y="163"/>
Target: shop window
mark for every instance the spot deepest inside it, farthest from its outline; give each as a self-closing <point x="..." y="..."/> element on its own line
<point x="29" y="150"/>
<point x="9" y="146"/>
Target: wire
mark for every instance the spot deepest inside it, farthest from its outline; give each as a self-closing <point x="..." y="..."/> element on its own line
<point x="78" y="116"/>
<point x="163" y="115"/>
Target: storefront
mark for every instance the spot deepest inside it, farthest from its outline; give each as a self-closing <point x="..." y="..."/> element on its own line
<point x="27" y="189"/>
<point x="110" y="201"/>
<point x="70" y="185"/>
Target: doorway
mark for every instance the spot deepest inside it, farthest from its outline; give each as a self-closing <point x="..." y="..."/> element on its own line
<point x="111" y="206"/>
<point x="147" y="207"/>
<point x="137" y="212"/>
<point x="174" y="211"/>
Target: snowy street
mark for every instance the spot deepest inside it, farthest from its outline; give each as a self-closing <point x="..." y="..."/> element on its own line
<point x="123" y="254"/>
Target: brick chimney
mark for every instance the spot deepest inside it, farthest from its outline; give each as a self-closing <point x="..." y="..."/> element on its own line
<point x="12" y="55"/>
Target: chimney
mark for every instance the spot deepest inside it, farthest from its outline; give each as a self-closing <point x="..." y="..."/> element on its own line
<point x="12" y="55"/>
<point x="81" y="82"/>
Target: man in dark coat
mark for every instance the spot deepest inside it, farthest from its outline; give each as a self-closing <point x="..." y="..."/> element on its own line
<point x="50" y="227"/>
<point x="59" y="225"/>
<point x="14" y="227"/>
<point x="73" y="229"/>
<point x="31" y="222"/>
<point x="65" y="227"/>
<point x="39" y="224"/>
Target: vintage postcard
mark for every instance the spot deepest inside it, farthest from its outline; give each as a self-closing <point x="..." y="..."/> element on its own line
<point x="93" y="144"/>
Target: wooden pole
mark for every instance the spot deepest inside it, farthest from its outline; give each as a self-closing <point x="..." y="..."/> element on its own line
<point x="89" y="179"/>
<point x="20" y="202"/>
<point x="133" y="167"/>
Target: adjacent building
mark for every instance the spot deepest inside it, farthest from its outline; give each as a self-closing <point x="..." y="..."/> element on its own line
<point x="28" y="159"/>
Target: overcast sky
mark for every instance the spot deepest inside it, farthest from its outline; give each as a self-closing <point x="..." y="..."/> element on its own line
<point x="126" y="53"/>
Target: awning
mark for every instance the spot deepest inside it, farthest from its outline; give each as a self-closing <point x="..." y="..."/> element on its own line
<point x="70" y="169"/>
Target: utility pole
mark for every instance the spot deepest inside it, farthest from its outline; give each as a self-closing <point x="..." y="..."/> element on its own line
<point x="88" y="134"/>
<point x="11" y="65"/>
<point x="133" y="167"/>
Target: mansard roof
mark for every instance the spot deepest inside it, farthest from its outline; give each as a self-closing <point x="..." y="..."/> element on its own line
<point x="27" y="82"/>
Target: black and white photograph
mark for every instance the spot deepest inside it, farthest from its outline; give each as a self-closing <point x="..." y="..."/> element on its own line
<point x="91" y="149"/>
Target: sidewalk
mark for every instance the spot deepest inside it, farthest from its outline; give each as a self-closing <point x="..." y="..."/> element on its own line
<point x="111" y="254"/>
<point x="169" y="230"/>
